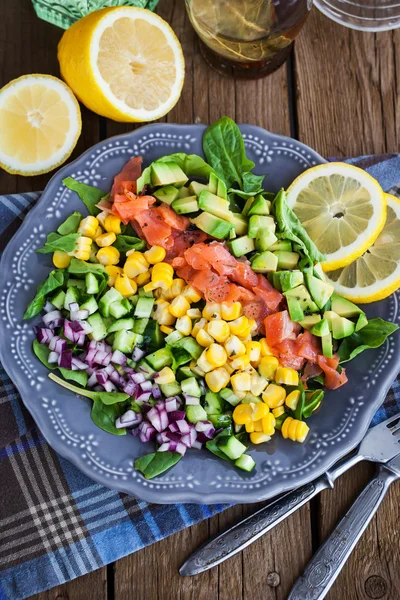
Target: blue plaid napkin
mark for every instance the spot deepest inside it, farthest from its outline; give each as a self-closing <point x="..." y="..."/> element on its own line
<point x="55" y="523"/>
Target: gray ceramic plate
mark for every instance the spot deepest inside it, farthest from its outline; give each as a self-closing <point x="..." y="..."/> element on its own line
<point x="64" y="419"/>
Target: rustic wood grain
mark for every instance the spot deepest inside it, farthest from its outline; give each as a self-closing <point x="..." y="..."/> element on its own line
<point x="89" y="587"/>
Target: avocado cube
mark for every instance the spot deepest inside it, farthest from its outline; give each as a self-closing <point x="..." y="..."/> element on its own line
<point x="221" y="189"/>
<point x="318" y="271"/>
<point x="329" y="315"/>
<point x="167" y="173"/>
<point x="264" y="262"/>
<point x="342" y="327"/>
<point x="319" y="290"/>
<point x="309" y="321"/>
<point x="213" y="183"/>
<point x="240" y="223"/>
<point x="212" y="225"/>
<point x="259" y="206"/>
<point x="242" y="245"/>
<point x="219" y="207"/>
<point x="287" y="260"/>
<point x="167" y="194"/>
<point x="184" y="192"/>
<point x="344" y="308"/>
<point x="195" y="188"/>
<point x="299" y="301"/>
<point x="283" y="245"/>
<point x="362" y="321"/>
<point x="295" y="309"/>
<point x="265" y="238"/>
<point x="257" y="222"/>
<point x="232" y="234"/>
<point x="290" y="279"/>
<point x="183" y="206"/>
<point x="326" y="343"/>
<point x="321" y="328"/>
<point x="247" y="206"/>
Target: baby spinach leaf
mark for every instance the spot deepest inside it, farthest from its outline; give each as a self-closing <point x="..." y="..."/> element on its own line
<point x="42" y="352"/>
<point x="89" y="195"/>
<point x="291" y="229"/>
<point x="191" y="164"/>
<point x="298" y="413"/>
<point x="221" y="438"/>
<point x="156" y="463"/>
<point x="55" y="280"/>
<point x="70" y="224"/>
<point x="373" y="335"/>
<point x="224" y="149"/>
<point x="104" y="416"/>
<point x="80" y="267"/>
<point x="312" y="401"/>
<point x="54" y="242"/>
<point x="123" y="243"/>
<point x="79" y="377"/>
<point x="252" y="183"/>
<point x="107" y="398"/>
<point x="110" y="398"/>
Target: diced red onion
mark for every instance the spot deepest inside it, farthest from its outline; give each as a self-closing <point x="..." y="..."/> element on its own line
<point x="73" y="306"/>
<point x="101" y="376"/>
<point x="53" y="358"/>
<point x="189" y="438"/>
<point x="129" y="370"/>
<point x="137" y="354"/>
<point x="65" y="359"/>
<point x="76" y="326"/>
<point x="52" y="316"/>
<point x="80" y="339"/>
<point x="147" y="432"/>
<point x="146" y="386"/>
<point x="109" y="386"/>
<point x="181" y="448"/>
<point x="176" y="415"/>
<point x="130" y="388"/>
<point x="135" y="432"/>
<point x="118" y="358"/>
<point x="129" y="419"/>
<point x="168" y="447"/>
<point x="90" y="354"/>
<point x="196" y="444"/>
<point x="162" y="437"/>
<point x="203" y="425"/>
<point x="102" y="357"/>
<point x="171" y="405"/>
<point x="206" y="429"/>
<point x="191" y="400"/>
<point x="156" y="391"/>
<point x="159" y="419"/>
<point x="160" y="405"/>
<point x="173" y="437"/>
<point x="57" y="323"/>
<point x="81" y="327"/>
<point x="92" y="381"/>
<point x="44" y="335"/>
<point x="173" y="427"/>
<point x="58" y="344"/>
<point x="48" y="307"/>
<point x="138" y="377"/>
<point x="142" y="396"/>
<point x="183" y="426"/>
<point x="78" y="364"/>
<point x="109" y="369"/>
<point x="79" y="315"/>
<point x="68" y="331"/>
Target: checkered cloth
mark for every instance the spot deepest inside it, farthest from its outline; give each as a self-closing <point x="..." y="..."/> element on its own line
<point x="55" y="523"/>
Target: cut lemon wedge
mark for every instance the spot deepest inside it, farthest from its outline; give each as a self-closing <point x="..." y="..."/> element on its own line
<point x="375" y="274"/>
<point x="342" y="208"/>
<point x="40" y="123"/>
<point x="124" y="63"/>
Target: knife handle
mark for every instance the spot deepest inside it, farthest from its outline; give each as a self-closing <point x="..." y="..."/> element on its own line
<point x="247" y="531"/>
<point x="328" y="561"/>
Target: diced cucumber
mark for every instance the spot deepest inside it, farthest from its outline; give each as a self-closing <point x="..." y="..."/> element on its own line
<point x="191" y="387"/>
<point x="140" y="325"/>
<point x="233" y="448"/>
<point x="112" y="295"/>
<point x="220" y="420"/>
<point x="90" y="305"/>
<point x="170" y="389"/>
<point x="121" y="324"/>
<point x="72" y="295"/>
<point x="133" y="300"/>
<point x="58" y="299"/>
<point x="174" y="337"/>
<point x="99" y="329"/>
<point x="245" y="462"/>
<point x="124" y="341"/>
<point x="92" y="285"/>
<point x="250" y="398"/>
<point x="213" y="404"/>
<point x="152" y="336"/>
<point x="76" y="283"/>
<point x="145" y="368"/>
<point x="159" y="359"/>
<point x="191" y="346"/>
<point x="144" y="307"/>
<point x="196" y="413"/>
<point x="119" y="308"/>
<point x="142" y="293"/>
<point x="184" y="372"/>
<point x="228" y="395"/>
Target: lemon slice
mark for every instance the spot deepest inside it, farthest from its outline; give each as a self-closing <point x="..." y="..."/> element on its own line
<point x="40" y="123"/>
<point x="375" y="274"/>
<point x="342" y="208"/>
<point x="124" y="63"/>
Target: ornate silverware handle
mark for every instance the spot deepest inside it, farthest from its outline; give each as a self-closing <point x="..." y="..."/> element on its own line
<point x="327" y="563"/>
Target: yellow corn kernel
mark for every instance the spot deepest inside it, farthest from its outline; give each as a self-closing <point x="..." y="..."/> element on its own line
<point x="218" y="329"/>
<point x="125" y="286"/>
<point x="286" y="376"/>
<point x="230" y="370"/>
<point x="258" y="428"/>
<point x="259" y="411"/>
<point x="88" y="226"/>
<point x="166" y="375"/>
<point x="106" y="239"/>
<point x="166" y="330"/>
<point x="98" y="232"/>
<point x="232" y="311"/>
<point x="174" y="290"/>
<point x="204" y="339"/>
<point x="259" y="438"/>
<point x="198" y="326"/>
<point x="162" y="275"/>
<point x="253" y="326"/>
<point x="82" y="249"/>
<point x="234" y="347"/>
<point x="203" y="363"/>
<point x="101" y="217"/>
<point x="239" y="326"/>
<point x="217" y="379"/>
<point x="274" y="395"/>
<point x="194" y="313"/>
<point x="216" y="355"/>
<point x="278" y="411"/>
<point x="179" y="306"/>
<point x="112" y="224"/>
<point x="293" y="399"/>
<point x="253" y="349"/>
<point x="257" y="384"/>
<point x="143" y="278"/>
<point x="183" y="324"/>
<point x="265" y="349"/>
<point x="191" y="294"/>
<point x="268" y="424"/>
<point x="268" y="366"/>
<point x="196" y="369"/>
<point x="242" y="414"/>
<point x="162" y="314"/>
<point x="212" y="311"/>
<point x="61" y="259"/>
<point x="249" y="427"/>
<point x="155" y="255"/>
<point x="241" y="382"/>
<point x="294" y="429"/>
<point x="108" y="256"/>
<point x="241" y="362"/>
<point x="112" y="272"/>
<point x="135" y="264"/>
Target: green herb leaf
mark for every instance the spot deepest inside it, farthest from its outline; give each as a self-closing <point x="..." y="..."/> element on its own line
<point x="107" y="398"/>
<point x="55" y="280"/>
<point x="89" y="195"/>
<point x="291" y="229"/>
<point x="54" y="242"/>
<point x="373" y="335"/>
<point x="312" y="401"/>
<point x="224" y="149"/>
<point x="253" y="183"/>
<point x="79" y="377"/>
<point x="104" y="416"/>
<point x="110" y="398"/>
<point x="123" y="243"/>
<point x="191" y="164"/>
<point x="70" y="224"/>
<point x="42" y="352"/>
<point x="298" y="413"/>
<point x="156" y="463"/>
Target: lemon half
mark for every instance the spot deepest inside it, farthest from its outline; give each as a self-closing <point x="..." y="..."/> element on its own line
<point x="124" y="63"/>
<point x="342" y="208"/>
<point x="375" y="274"/>
<point x="40" y="123"/>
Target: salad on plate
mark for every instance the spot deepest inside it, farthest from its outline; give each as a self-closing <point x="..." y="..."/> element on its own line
<point x="191" y="307"/>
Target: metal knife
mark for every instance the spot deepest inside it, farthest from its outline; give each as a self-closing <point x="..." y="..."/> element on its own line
<point x="329" y="560"/>
<point x="380" y="444"/>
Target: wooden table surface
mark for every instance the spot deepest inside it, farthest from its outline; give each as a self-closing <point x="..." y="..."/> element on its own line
<point x="339" y="93"/>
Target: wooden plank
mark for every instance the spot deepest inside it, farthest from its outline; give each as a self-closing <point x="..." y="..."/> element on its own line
<point x="93" y="586"/>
